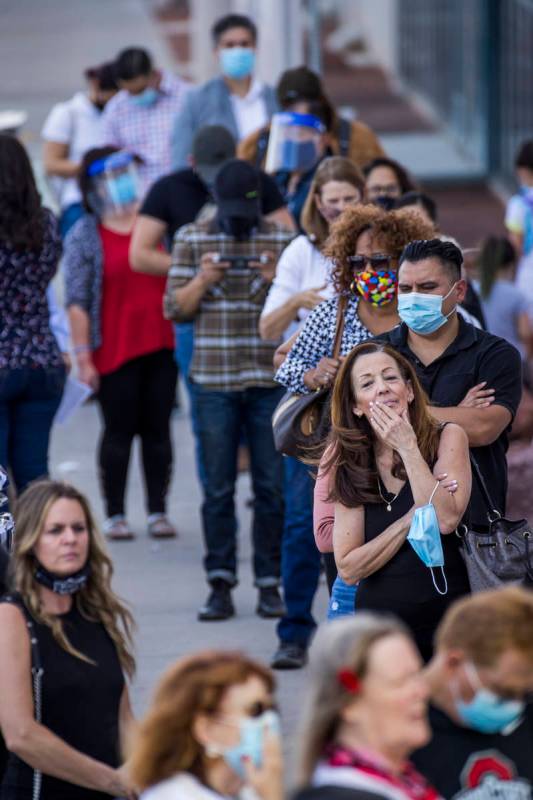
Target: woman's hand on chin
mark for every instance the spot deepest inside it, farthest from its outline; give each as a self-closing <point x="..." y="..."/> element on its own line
<point x="393" y="429"/>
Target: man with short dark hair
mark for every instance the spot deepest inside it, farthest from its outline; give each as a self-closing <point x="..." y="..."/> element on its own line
<point x="471" y="377"/>
<point x="220" y="276"/>
<point x="235" y="99"/>
<point x="480" y="680"/>
<point x="140" y="117"/>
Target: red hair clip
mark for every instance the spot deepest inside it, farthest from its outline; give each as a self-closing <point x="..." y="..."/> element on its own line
<point x="349" y="680"/>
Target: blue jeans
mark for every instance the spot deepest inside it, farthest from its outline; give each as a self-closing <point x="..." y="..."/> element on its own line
<point x="300" y="559"/>
<point x="220" y="417"/>
<point x="69" y="216"/>
<point x="29" y="399"/>
<point x="184" y="349"/>
<point x="342" y="600"/>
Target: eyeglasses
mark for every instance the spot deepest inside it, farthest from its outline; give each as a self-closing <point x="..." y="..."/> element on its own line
<point x="253" y="711"/>
<point x="377" y="261"/>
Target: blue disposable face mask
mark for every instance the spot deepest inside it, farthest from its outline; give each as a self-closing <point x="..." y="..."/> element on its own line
<point x="237" y="62"/>
<point x="122" y="189"/>
<point x="487" y="712"/>
<point x="422" y="313"/>
<point x="424" y="537"/>
<point x="298" y="156"/>
<point x="146" y="98"/>
<point x="251" y="741"/>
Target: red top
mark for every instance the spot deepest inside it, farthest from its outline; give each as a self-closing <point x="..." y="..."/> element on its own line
<point x="131" y="315"/>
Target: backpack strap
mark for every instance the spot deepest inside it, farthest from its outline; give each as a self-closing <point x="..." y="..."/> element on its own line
<point x="339" y="326"/>
<point x="345" y="134"/>
<point x="262" y="145"/>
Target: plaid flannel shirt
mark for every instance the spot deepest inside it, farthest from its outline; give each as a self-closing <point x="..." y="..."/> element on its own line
<point x="229" y="354"/>
<point x="146" y="131"/>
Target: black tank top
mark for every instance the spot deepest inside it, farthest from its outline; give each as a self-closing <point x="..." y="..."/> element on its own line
<point x="80" y="704"/>
<point x="404" y="586"/>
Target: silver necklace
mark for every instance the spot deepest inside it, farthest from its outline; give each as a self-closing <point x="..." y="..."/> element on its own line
<point x="388" y="503"/>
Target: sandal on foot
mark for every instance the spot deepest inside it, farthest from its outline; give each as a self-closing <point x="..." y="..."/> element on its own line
<point x="160" y="528"/>
<point x="117" y="529"/>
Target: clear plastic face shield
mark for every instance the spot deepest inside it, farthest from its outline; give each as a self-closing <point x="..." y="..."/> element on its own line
<point x="115" y="184"/>
<point x="295" y="142"/>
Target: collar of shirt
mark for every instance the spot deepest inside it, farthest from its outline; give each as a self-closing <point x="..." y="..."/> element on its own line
<point x="253" y="94"/>
<point x="168" y="82"/>
<point x="466" y="337"/>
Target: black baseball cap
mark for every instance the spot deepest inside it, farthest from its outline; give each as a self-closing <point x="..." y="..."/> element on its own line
<point x="212" y="146"/>
<point x="296" y="84"/>
<point x="237" y="190"/>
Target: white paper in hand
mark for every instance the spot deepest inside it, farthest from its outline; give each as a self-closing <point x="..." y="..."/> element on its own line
<point x="74" y="395"/>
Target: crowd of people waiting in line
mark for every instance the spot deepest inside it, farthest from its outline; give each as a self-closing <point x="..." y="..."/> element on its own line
<point x="286" y="253"/>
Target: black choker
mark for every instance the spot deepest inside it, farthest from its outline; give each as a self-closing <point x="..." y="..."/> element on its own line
<point x="60" y="584"/>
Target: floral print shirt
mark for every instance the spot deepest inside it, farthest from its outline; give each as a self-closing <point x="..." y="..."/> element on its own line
<point x="26" y="339"/>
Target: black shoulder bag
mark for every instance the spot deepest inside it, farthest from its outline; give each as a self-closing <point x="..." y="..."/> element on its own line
<point x="301" y="422"/>
<point x="501" y="554"/>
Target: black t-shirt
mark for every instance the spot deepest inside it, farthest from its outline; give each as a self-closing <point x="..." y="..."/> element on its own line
<point x="464" y="764"/>
<point x="474" y="356"/>
<point x="176" y="199"/>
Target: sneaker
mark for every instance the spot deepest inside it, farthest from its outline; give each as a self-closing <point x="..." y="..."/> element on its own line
<point x="270" y="604"/>
<point x="289" y="655"/>
<point x="160" y="528"/>
<point x="117" y="529"/>
<point x="219" y="604"/>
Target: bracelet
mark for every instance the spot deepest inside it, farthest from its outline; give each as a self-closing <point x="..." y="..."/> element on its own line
<point x="81" y="348"/>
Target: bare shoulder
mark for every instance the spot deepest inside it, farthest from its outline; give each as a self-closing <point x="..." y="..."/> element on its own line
<point x="11" y="618"/>
<point x="453" y="435"/>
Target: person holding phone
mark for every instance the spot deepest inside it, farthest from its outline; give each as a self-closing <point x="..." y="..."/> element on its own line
<point x="232" y="376"/>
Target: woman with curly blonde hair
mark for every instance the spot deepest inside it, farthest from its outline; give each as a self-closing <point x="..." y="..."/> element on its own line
<point x="63" y="629"/>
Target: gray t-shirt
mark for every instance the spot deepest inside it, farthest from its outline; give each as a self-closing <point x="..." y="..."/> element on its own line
<point x="502" y="308"/>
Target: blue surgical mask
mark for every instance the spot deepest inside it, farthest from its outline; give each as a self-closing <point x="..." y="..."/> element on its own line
<point x="251" y="741"/>
<point x="122" y="189"/>
<point x="299" y="156"/>
<point x="424" y="537"/>
<point x="237" y="62"/>
<point x="422" y="313"/>
<point x="487" y="712"/>
<point x="146" y="98"/>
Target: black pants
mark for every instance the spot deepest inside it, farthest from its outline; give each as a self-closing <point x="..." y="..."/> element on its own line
<point x="137" y="400"/>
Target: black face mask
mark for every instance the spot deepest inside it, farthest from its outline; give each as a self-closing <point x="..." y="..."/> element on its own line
<point x="385" y="202"/>
<point x="238" y="228"/>
<point x="62" y="584"/>
<point x="98" y="104"/>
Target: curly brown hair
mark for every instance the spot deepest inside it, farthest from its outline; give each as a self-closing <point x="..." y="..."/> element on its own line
<point x="394" y="229"/>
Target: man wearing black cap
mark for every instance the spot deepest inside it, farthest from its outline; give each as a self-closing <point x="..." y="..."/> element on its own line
<point x="176" y="200"/>
<point x="220" y="275"/>
<point x="301" y="90"/>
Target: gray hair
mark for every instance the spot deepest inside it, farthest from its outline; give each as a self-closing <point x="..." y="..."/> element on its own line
<point x="343" y="643"/>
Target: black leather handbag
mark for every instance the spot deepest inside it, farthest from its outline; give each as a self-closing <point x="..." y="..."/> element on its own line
<point x="301" y="422"/>
<point x="501" y="553"/>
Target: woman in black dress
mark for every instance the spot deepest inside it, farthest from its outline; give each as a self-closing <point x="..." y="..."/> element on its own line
<point x="386" y="453"/>
<point x="64" y="729"/>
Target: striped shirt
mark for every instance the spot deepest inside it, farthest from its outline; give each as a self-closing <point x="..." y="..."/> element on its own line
<point x="229" y="355"/>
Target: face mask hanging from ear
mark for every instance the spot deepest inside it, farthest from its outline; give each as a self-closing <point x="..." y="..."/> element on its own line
<point x="425" y="539"/>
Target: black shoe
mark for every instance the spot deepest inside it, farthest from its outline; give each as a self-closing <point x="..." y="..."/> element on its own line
<point x="270" y="604"/>
<point x="289" y="655"/>
<point x="219" y="604"/>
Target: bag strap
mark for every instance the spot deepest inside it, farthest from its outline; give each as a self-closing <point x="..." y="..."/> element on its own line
<point x="339" y="325"/>
<point x="37" y="673"/>
<point x="491" y="506"/>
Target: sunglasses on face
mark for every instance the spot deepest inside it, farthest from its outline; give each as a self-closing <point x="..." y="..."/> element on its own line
<point x="376" y="262"/>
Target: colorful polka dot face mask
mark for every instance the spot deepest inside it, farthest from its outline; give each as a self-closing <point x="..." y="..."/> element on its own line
<point x="377" y="287"/>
